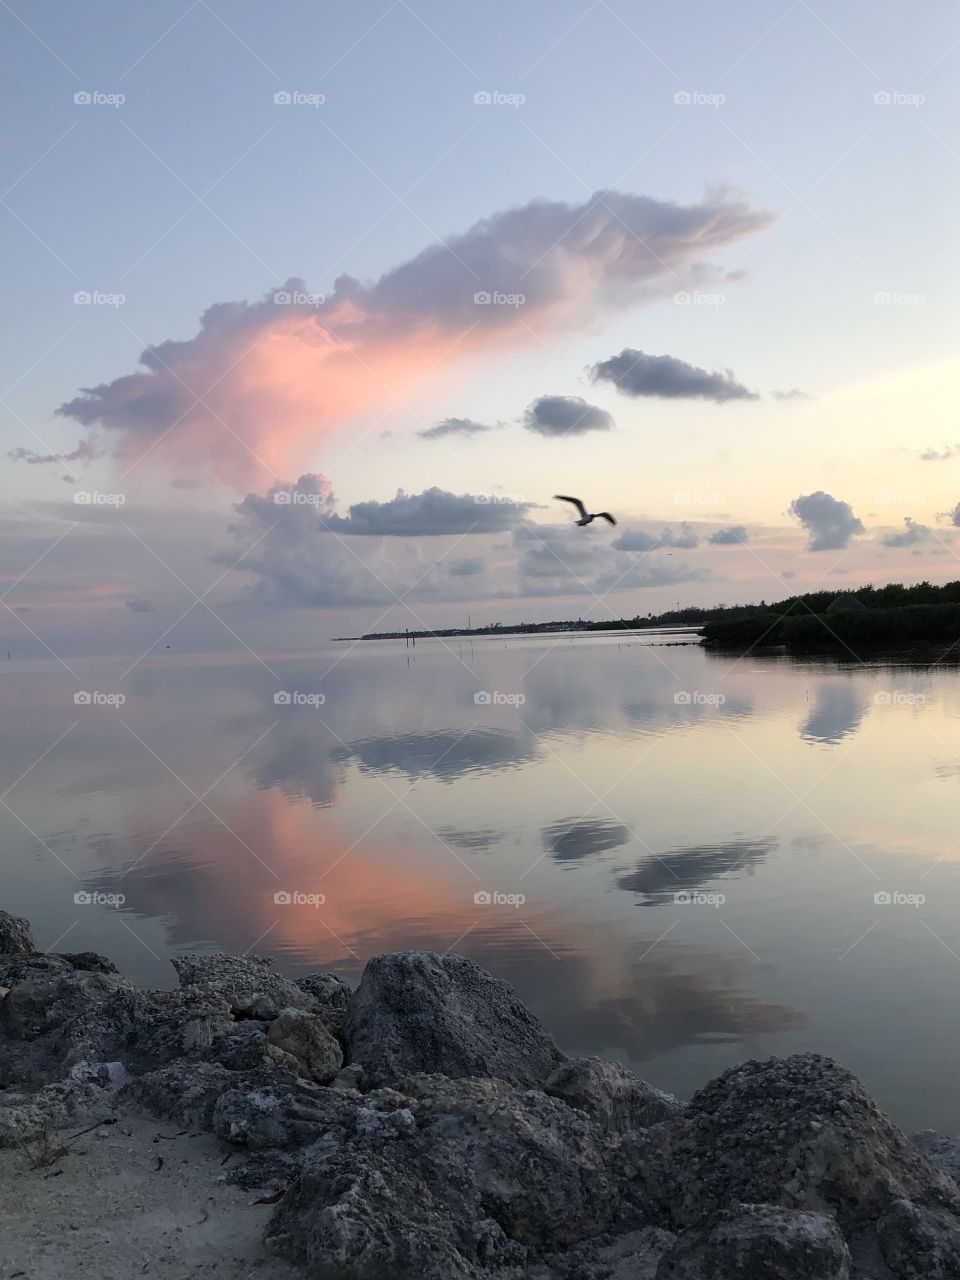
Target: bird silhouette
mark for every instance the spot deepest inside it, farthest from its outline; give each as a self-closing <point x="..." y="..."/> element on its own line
<point x="585" y="516"/>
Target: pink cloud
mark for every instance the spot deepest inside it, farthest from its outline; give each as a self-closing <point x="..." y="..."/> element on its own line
<point x="251" y="396"/>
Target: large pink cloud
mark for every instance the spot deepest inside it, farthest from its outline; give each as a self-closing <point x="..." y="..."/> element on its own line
<point x="250" y="397"/>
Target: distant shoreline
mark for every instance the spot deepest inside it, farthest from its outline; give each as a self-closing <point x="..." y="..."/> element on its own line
<point x="521" y="628"/>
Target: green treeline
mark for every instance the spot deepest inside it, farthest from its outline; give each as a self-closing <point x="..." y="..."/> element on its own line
<point x="885" y="616"/>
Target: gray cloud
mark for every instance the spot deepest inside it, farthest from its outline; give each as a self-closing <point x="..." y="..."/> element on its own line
<point x="139" y="604"/>
<point x="454" y="427"/>
<point x="636" y="374"/>
<point x="640" y="540"/>
<point x="559" y="560"/>
<point x="940" y="455"/>
<point x="281" y="375"/>
<point x="955" y="515"/>
<point x="794" y="395"/>
<point x="830" y="523"/>
<point x="467" y="567"/>
<point x="565" y="416"/>
<point x="85" y="451"/>
<point x="913" y="533"/>
<point x="735" y="533"/>
<point x="429" y="514"/>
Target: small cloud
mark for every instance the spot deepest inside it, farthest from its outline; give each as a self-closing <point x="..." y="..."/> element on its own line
<point x="912" y="534"/>
<point x="940" y="455"/>
<point x="955" y="515"/>
<point x="730" y="536"/>
<point x="565" y="416"/>
<point x="454" y="427"/>
<point x="665" y="377"/>
<point x="85" y="451"/>
<point x="640" y="540"/>
<point x="793" y="395"/>
<point x="139" y="604"/>
<point x="830" y="522"/>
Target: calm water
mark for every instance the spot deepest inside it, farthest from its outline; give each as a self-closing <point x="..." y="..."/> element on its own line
<point x="779" y="796"/>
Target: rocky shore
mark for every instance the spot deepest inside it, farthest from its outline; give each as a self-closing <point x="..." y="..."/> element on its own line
<point x="427" y="1126"/>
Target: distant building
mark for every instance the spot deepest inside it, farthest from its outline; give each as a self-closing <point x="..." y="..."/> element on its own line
<point x="844" y="602"/>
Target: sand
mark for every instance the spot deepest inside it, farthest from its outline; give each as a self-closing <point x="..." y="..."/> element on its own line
<point x="106" y="1210"/>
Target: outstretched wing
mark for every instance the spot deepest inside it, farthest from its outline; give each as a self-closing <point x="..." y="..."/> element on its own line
<point x="605" y="515"/>
<point x="562" y="497"/>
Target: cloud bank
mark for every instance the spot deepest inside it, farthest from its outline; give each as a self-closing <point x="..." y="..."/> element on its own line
<point x="261" y="384"/>
<point x="636" y="374"/>
<point x="640" y="540"/>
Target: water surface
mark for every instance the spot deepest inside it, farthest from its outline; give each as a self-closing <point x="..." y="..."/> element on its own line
<point x="674" y="856"/>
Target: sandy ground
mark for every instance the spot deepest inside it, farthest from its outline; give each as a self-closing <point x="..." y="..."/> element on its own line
<point x="108" y="1212"/>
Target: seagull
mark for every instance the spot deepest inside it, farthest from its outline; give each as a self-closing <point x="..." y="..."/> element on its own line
<point x="585" y="516"/>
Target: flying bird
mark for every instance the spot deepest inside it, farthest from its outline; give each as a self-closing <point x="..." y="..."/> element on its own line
<point x="585" y="516"/>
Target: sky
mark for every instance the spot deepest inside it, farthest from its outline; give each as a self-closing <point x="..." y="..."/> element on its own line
<point x="314" y="309"/>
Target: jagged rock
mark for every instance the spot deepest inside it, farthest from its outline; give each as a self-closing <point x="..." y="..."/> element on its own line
<point x="798" y="1132"/>
<point x="16" y="936"/>
<point x="247" y="1048"/>
<point x="332" y="996"/>
<point x="246" y="983"/>
<point x="304" y="1036"/>
<point x="759" y="1240"/>
<point x="470" y="1178"/>
<point x="940" y="1150"/>
<point x="108" y="1075"/>
<point x="186" y="1093"/>
<point x="27" y="1117"/>
<point x="618" y="1100"/>
<point x="349" y="1079"/>
<point x="38" y="966"/>
<point x="920" y="1243"/>
<point x="34" y="1007"/>
<point x="632" y="1255"/>
<point x="264" y="1112"/>
<point x="419" y="1011"/>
